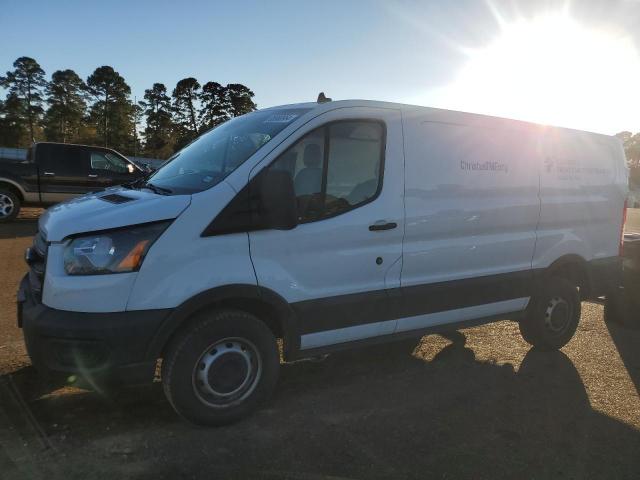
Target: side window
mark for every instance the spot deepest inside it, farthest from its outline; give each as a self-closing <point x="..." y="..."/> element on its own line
<point x="305" y="162"/>
<point x="110" y="162"/>
<point x="354" y="167"/>
<point x="335" y="168"/>
<point x="99" y="161"/>
<point x="118" y="164"/>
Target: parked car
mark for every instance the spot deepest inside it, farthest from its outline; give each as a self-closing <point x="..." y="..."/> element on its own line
<point x="54" y="172"/>
<point x="633" y="199"/>
<point x="328" y="226"/>
<point x="622" y="304"/>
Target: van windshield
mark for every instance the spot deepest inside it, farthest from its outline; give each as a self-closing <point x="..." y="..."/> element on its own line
<point x="206" y="161"/>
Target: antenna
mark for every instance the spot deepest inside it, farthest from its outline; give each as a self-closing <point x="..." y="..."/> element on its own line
<point x="322" y="98"/>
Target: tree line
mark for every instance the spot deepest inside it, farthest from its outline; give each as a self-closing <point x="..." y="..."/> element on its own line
<point x="100" y="111"/>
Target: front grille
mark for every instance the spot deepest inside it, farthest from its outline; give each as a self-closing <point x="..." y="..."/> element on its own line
<point x="36" y="258"/>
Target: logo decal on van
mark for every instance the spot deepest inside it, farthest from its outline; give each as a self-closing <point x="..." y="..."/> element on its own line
<point x="568" y="169"/>
<point x="484" y="166"/>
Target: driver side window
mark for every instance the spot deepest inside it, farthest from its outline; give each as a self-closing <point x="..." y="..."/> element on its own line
<point x="335" y="168"/>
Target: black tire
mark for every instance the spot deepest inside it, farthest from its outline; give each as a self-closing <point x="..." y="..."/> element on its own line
<point x="221" y="368"/>
<point x="552" y="316"/>
<point x="9" y="205"/>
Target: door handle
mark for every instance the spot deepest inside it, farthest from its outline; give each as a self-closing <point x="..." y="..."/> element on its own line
<point x="93" y="175"/>
<point x="49" y="174"/>
<point x="382" y="225"/>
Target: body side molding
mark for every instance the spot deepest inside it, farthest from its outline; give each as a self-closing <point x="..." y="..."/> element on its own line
<point x="414" y="323"/>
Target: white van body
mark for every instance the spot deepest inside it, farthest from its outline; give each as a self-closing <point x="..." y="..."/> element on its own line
<point x="471" y="211"/>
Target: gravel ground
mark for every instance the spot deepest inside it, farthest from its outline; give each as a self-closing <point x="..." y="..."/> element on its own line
<point x="476" y="403"/>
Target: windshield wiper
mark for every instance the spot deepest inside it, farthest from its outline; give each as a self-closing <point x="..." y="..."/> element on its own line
<point x="157" y="189"/>
<point x="137" y="183"/>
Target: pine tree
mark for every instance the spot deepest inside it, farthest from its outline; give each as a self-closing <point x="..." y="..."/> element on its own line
<point x="215" y="105"/>
<point x="137" y="141"/>
<point x="66" y="95"/>
<point x="112" y="111"/>
<point x="159" y="130"/>
<point x="186" y="96"/>
<point x="13" y="130"/>
<point x="26" y="83"/>
<point x="240" y="99"/>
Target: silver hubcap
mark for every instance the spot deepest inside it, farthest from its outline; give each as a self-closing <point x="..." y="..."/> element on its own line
<point x="227" y="372"/>
<point x="6" y="205"/>
<point x="557" y="316"/>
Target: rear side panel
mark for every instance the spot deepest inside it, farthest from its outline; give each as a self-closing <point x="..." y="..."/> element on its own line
<point x="583" y="184"/>
<point x="471" y="198"/>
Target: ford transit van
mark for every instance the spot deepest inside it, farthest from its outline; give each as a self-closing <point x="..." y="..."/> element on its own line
<point x="294" y="231"/>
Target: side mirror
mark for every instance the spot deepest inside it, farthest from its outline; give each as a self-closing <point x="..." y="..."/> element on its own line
<point x="278" y="201"/>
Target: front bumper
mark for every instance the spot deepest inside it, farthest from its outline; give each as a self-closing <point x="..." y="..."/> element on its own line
<point x="91" y="345"/>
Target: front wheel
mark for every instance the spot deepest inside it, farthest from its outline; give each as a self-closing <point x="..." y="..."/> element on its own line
<point x="553" y="315"/>
<point x="222" y="368"/>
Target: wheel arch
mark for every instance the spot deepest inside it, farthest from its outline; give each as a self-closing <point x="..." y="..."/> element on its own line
<point x="13" y="186"/>
<point x="575" y="268"/>
<point x="265" y="304"/>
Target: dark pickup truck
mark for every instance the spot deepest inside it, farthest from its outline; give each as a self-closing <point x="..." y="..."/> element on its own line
<point x="53" y="172"/>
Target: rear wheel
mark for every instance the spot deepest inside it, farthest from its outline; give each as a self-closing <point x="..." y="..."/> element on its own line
<point x="9" y="205"/>
<point x="222" y="368"/>
<point x="553" y="315"/>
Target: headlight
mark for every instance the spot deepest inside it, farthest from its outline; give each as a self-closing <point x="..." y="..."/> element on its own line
<point x="115" y="251"/>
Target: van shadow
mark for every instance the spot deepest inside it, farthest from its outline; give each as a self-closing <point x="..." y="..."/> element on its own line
<point x="457" y="416"/>
<point x="627" y="342"/>
<point x="378" y="412"/>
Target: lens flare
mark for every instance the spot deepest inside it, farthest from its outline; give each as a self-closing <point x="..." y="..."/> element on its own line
<point x="552" y="70"/>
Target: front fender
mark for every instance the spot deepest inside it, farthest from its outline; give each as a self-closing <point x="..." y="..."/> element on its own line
<point x="229" y="295"/>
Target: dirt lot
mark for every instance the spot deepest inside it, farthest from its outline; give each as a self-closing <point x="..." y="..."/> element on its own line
<point x="477" y="403"/>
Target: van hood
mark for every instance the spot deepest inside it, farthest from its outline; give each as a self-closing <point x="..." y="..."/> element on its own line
<point x="111" y="208"/>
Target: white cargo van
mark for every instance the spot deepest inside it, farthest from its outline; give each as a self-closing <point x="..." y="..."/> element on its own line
<point x="328" y="226"/>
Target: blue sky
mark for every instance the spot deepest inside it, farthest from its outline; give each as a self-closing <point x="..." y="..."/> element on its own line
<point x="286" y="51"/>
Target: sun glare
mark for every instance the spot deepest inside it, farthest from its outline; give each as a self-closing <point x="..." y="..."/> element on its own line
<point x="552" y="70"/>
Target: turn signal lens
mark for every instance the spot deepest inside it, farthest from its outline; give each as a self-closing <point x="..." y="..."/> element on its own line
<point x="134" y="258"/>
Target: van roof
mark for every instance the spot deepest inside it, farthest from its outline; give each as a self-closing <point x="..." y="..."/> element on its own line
<point x="436" y="114"/>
